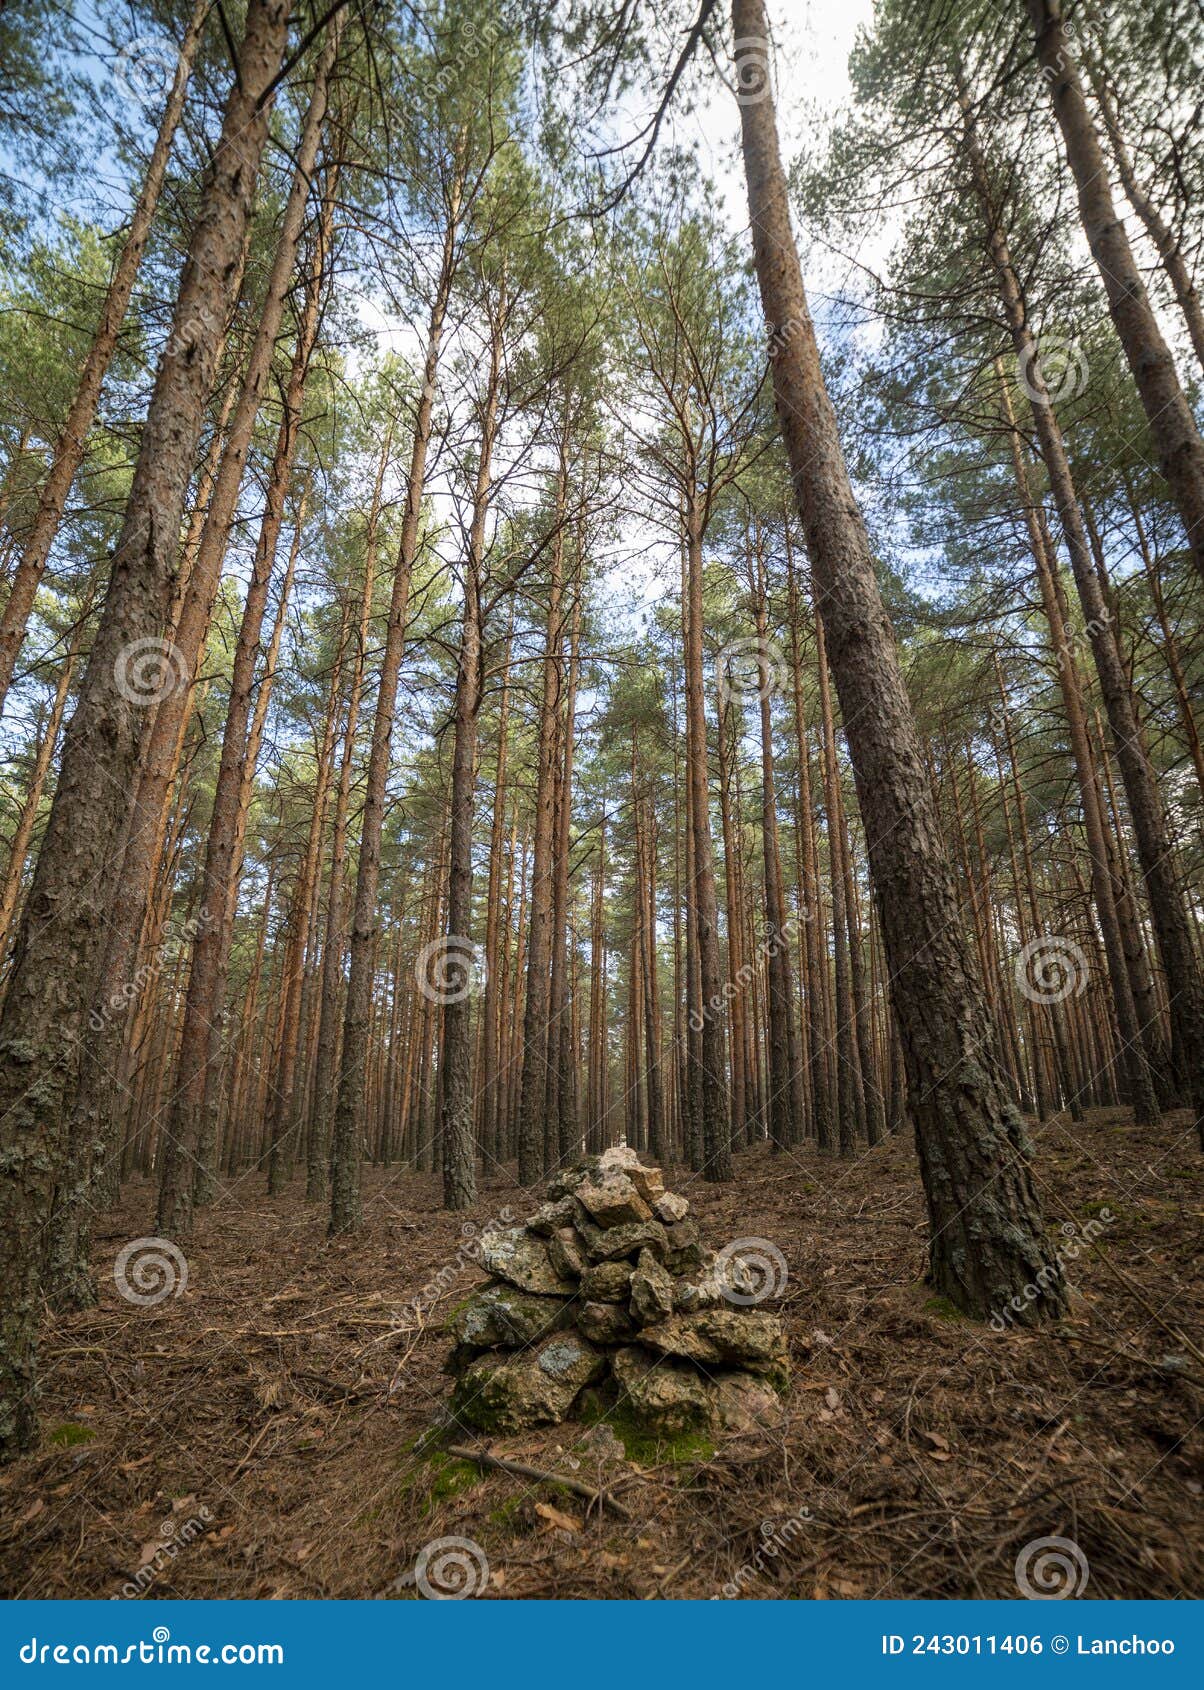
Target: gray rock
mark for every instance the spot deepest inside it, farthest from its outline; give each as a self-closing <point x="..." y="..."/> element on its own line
<point x="715" y="1336"/>
<point x="666" y="1396"/>
<point x="507" y="1393"/>
<point x="743" y="1403"/>
<point x="612" y="1200"/>
<point x="651" y="1291"/>
<point x="613" y="1243"/>
<point x="605" y="1323"/>
<point x="550" y="1217"/>
<point x="566" y="1252"/>
<point x="501" y="1314"/>
<point x="669" y="1208"/>
<point x="516" y="1255"/>
<point x="606" y="1282"/>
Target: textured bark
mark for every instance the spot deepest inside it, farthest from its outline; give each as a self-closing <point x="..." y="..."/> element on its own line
<point x="456" y="1123"/>
<point x="1167" y="906"/>
<point x="1172" y="426"/>
<point x="184" y="1129"/>
<point x="785" y="1123"/>
<point x="1138" y="1080"/>
<point x="711" y="1060"/>
<point x="845" y="1048"/>
<point x="1156" y="227"/>
<point x="814" y="949"/>
<point x="19" y="847"/>
<point x="534" y="1086"/>
<point x="987" y="1239"/>
<point x="561" y="1052"/>
<point x="69" y="448"/>
<point x="58" y="949"/>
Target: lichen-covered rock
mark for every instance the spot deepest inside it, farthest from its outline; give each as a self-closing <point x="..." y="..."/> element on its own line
<point x="519" y="1257"/>
<point x="705" y="1289"/>
<point x="605" y="1323"/>
<point x="743" y="1403"/>
<point x="665" y="1396"/>
<point x="606" y="1282"/>
<point x="550" y="1217"/>
<point x="502" y="1392"/>
<point x="612" y="1244"/>
<point x="609" y="1291"/>
<point x="566" y="1252"/>
<point x="750" y="1337"/>
<point x="500" y="1314"/>
<point x="612" y="1200"/>
<point x="651" y="1291"/>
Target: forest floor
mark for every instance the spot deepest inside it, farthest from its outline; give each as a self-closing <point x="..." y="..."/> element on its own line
<point x="262" y="1434"/>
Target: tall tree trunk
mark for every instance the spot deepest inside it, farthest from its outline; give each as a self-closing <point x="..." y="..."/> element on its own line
<point x="711" y="1071"/>
<point x="987" y="1241"/>
<point x="456" y="1128"/>
<point x="533" y="1091"/>
<point x="1145" y="807"/>
<point x="184" y="1131"/>
<point x="1172" y="426"/>
<point x="62" y="930"/>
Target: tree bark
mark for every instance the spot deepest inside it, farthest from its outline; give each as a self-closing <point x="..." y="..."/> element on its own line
<point x="1172" y="426"/>
<point x="63" y="926"/>
<point x="987" y="1242"/>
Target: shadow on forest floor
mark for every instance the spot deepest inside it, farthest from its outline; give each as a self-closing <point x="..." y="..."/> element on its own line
<point x="255" y="1436"/>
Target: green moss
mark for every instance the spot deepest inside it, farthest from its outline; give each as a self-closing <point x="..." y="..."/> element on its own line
<point x="943" y="1309"/>
<point x="654" y="1449"/>
<point x="68" y="1435"/>
<point x="508" y="1516"/>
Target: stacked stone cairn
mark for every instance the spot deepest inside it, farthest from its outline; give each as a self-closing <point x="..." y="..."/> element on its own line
<point x="606" y="1300"/>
